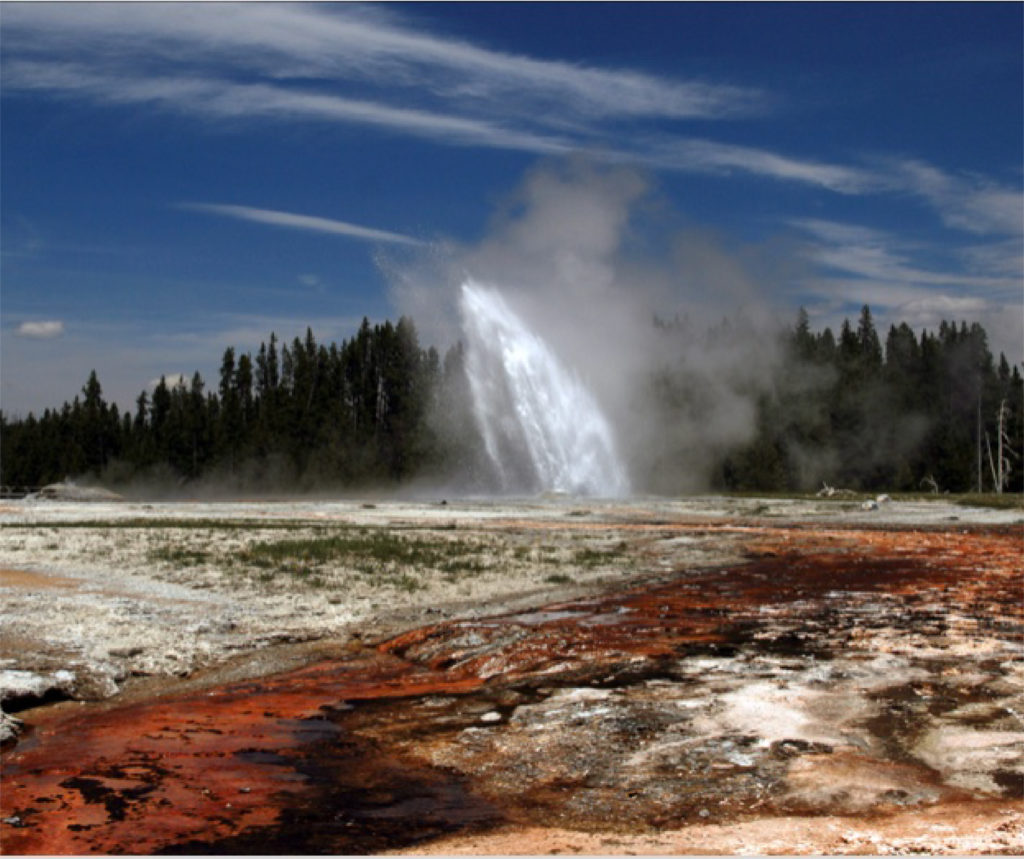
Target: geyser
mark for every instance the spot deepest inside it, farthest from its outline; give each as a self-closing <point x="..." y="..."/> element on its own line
<point x="542" y="429"/>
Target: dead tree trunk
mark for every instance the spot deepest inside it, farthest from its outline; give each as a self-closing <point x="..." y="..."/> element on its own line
<point x="1001" y="466"/>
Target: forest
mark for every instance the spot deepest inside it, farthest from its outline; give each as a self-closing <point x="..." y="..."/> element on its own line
<point x="934" y="412"/>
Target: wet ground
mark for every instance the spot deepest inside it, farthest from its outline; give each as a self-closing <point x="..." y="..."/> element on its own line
<point x="844" y="672"/>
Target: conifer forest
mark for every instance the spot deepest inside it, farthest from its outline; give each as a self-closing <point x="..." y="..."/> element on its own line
<point x="934" y="412"/>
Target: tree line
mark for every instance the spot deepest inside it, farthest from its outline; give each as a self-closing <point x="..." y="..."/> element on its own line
<point x="934" y="413"/>
<point x="931" y="412"/>
<point x="294" y="416"/>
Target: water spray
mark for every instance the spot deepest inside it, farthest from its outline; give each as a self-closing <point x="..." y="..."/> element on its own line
<point x="542" y="428"/>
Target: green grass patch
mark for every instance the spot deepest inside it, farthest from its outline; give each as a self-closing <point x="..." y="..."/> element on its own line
<point x="590" y="557"/>
<point x="405" y="582"/>
<point x="463" y="565"/>
<point x="1006" y="501"/>
<point x="180" y="556"/>
<point x="992" y="500"/>
<point x="559" y="579"/>
<point x="175" y="524"/>
<point x="364" y="550"/>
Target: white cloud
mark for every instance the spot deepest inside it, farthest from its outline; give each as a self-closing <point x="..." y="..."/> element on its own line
<point x="970" y="203"/>
<point x="711" y="156"/>
<point x="288" y="62"/>
<point x="302" y="222"/>
<point x="225" y="99"/>
<point x="42" y="330"/>
<point x="1004" y="258"/>
<point x="939" y="307"/>
<point x="878" y="256"/>
<point x="228" y="100"/>
<point x="306" y="62"/>
<point x="172" y="380"/>
<point x="347" y="42"/>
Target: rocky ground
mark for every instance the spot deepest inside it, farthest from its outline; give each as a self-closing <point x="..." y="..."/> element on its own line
<point x="708" y="675"/>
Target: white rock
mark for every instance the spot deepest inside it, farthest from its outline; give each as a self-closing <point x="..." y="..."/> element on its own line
<point x="10" y="727"/>
<point x="29" y="684"/>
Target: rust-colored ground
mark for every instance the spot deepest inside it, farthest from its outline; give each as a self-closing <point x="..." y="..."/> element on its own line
<point x="447" y="737"/>
<point x="35" y="581"/>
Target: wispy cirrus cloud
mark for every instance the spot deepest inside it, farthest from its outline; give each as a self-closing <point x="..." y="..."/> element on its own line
<point x="229" y="100"/>
<point x="347" y="42"/>
<point x="370" y="66"/>
<point x="1004" y="258"/>
<point x="296" y="62"/>
<point x="697" y="155"/>
<point x="854" y="250"/>
<point x="970" y="203"/>
<point x="311" y="223"/>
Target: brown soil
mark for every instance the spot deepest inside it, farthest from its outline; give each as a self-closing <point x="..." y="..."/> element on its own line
<point x="991" y="828"/>
<point x="27" y="580"/>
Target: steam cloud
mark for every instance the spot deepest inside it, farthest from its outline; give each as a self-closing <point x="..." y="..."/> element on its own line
<point x="588" y="257"/>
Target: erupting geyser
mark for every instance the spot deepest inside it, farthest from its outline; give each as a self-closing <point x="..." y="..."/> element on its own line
<point x="541" y="427"/>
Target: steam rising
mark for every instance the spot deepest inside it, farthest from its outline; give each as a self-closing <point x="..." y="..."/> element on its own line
<point x="590" y="261"/>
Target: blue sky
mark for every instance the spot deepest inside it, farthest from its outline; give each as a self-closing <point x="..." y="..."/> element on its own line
<point x="177" y="178"/>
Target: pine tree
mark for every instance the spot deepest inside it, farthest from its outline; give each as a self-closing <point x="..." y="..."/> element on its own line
<point x="802" y="341"/>
<point x="159" y="414"/>
<point x="92" y="430"/>
<point x="229" y="423"/>
<point x="870" y="350"/>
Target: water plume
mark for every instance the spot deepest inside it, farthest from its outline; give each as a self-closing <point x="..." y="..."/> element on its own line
<point x="590" y="271"/>
<point x="542" y="429"/>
